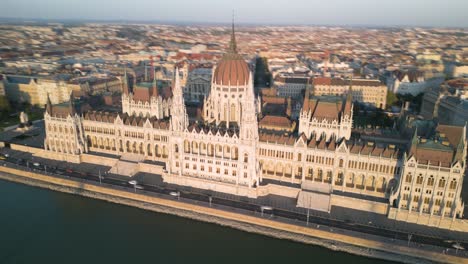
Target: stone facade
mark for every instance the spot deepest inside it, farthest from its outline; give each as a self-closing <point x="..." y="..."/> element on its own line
<point x="362" y="90"/>
<point x="198" y="85"/>
<point x="229" y="153"/>
<point x="36" y="90"/>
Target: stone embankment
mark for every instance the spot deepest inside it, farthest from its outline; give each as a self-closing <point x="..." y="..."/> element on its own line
<point x="248" y="223"/>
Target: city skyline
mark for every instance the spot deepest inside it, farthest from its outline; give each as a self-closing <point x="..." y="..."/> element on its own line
<point x="431" y="13"/>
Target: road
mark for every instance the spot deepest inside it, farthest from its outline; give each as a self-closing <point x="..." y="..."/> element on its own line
<point x="314" y="221"/>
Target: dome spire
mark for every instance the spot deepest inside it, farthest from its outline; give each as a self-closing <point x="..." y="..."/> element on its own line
<point x="232" y="43"/>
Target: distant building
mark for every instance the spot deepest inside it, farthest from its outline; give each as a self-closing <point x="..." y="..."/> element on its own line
<point x="94" y="85"/>
<point x="198" y="85"/>
<point x="35" y="90"/>
<point x="448" y="103"/>
<point x="292" y="85"/>
<point x="363" y="90"/>
<point x="410" y="82"/>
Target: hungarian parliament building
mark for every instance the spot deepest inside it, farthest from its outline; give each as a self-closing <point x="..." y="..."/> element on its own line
<point x="319" y="164"/>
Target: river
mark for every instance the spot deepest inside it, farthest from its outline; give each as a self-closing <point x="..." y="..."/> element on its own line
<point x="43" y="226"/>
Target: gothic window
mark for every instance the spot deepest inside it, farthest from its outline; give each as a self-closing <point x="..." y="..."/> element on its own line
<point x="419" y="179"/>
<point x="453" y="184"/>
<point x="441" y="183"/>
<point x="341" y="163"/>
<point x="449" y="204"/>
<point x="409" y="178"/>
<point x="426" y="200"/>
<point x="430" y="181"/>
<point x="186" y="146"/>
<point x="233" y="112"/>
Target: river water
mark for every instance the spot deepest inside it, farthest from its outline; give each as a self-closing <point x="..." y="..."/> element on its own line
<point x="43" y="226"/>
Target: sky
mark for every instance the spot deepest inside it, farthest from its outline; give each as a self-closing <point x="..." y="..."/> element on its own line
<point x="446" y="13"/>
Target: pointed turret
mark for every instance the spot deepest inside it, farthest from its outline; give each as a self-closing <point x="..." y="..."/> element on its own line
<point x="155" y="91"/>
<point x="414" y="142"/>
<point x="305" y="105"/>
<point x="179" y="117"/>
<point x="71" y="105"/>
<point x="49" y="105"/>
<point x="248" y="121"/>
<point x="125" y="87"/>
<point x="349" y="96"/>
<point x="461" y="146"/>
<point x="232" y="43"/>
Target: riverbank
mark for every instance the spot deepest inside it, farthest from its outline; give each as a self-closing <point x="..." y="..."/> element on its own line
<point x="254" y="224"/>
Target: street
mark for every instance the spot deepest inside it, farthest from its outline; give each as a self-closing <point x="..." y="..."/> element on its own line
<point x="97" y="174"/>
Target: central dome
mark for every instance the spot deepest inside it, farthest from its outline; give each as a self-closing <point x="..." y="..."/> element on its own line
<point x="232" y="70"/>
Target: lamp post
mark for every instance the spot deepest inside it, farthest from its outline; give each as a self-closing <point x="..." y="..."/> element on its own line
<point x="100" y="177"/>
<point x="134" y="183"/>
<point x="409" y="238"/>
<point x="210" y="199"/>
<point x="175" y="194"/>
<point x="263" y="208"/>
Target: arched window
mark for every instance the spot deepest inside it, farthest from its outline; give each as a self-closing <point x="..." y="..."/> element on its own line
<point x="233" y="113"/>
<point x="341" y="163"/>
<point x="246" y="157"/>
<point x="442" y="183"/>
<point x="409" y="178"/>
<point x="430" y="181"/>
<point x="453" y="184"/>
<point x="419" y="179"/>
<point x="186" y="146"/>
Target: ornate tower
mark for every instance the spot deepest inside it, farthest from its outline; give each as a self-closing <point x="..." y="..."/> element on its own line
<point x="179" y="118"/>
<point x="229" y="87"/>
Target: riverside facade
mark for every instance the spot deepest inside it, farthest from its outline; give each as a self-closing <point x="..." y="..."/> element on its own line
<point x="229" y="153"/>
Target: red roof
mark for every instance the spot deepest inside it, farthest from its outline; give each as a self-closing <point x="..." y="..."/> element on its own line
<point x="233" y="71"/>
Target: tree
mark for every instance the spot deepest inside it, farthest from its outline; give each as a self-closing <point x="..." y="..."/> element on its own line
<point x="4" y="104"/>
<point x="392" y="99"/>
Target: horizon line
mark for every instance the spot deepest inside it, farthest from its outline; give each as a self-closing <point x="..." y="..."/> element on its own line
<point x="207" y="23"/>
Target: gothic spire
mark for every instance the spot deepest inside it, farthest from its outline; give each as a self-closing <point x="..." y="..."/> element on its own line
<point x="71" y="105"/>
<point x="125" y="82"/>
<point x="179" y="118"/>
<point x="305" y="105"/>
<point x="414" y="141"/>
<point x="155" y="91"/>
<point x="232" y="43"/>
<point x="349" y="96"/>
<point x="49" y="105"/>
<point x="461" y="145"/>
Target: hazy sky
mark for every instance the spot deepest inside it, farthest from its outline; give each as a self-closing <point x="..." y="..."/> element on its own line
<point x="327" y="12"/>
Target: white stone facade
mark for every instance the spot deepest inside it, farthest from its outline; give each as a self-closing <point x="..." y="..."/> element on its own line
<point x="322" y="157"/>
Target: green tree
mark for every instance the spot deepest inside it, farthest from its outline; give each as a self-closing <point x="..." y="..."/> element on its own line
<point x="4" y="104"/>
<point x="392" y="99"/>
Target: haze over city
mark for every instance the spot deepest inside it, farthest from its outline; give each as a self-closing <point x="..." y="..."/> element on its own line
<point x="449" y="13"/>
<point x="341" y="125"/>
